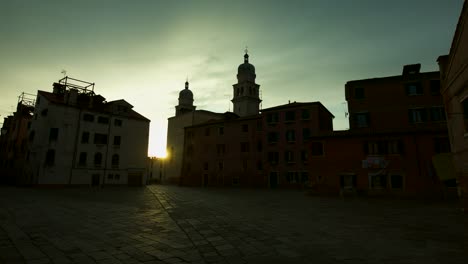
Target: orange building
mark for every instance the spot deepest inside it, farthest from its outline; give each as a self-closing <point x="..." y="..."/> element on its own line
<point x="223" y="152"/>
<point x="394" y="146"/>
<point x="14" y="141"/>
<point x="397" y="133"/>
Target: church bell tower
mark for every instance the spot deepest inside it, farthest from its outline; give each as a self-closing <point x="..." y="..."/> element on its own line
<point x="246" y="98"/>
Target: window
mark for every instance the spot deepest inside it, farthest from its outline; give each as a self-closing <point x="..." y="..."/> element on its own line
<point x="259" y="146"/>
<point x="116" y="140"/>
<point x="82" y="159"/>
<point x="435" y="87"/>
<point x="88" y="117"/>
<point x="359" y="93"/>
<point x="103" y="120"/>
<point x="361" y="119"/>
<point x="44" y="112"/>
<point x="117" y="122"/>
<point x="100" y="138"/>
<point x="235" y="181"/>
<point x="290" y="136"/>
<point x="413" y="88"/>
<point x="245" y="128"/>
<point x="378" y="181"/>
<point x="259" y="125"/>
<point x="395" y="147"/>
<point x="348" y="181"/>
<point x="50" y="157"/>
<point x="272" y="137"/>
<point x="272" y="118"/>
<point x="417" y="115"/>
<point x="115" y="161"/>
<point x="437" y="113"/>
<point x="207" y="131"/>
<point x="289" y="156"/>
<point x="317" y="149"/>
<point x="97" y="159"/>
<point x="220" y="166"/>
<point x="220" y="149"/>
<point x="305" y="114"/>
<point x="221" y="130"/>
<point x="383" y="147"/>
<point x="205" y="166"/>
<point x="465" y="113"/>
<point x="245" y="147"/>
<point x="305" y="133"/>
<point x="290" y="116"/>
<point x="189" y="150"/>
<point x="396" y="181"/>
<point x="304" y="177"/>
<point x="259" y="165"/>
<point x="53" y="135"/>
<point x="441" y="145"/>
<point x="273" y="157"/>
<point x="304" y="156"/>
<point x="190" y="134"/>
<point x="117" y="176"/>
<point x="122" y="108"/>
<point x="292" y="177"/>
<point x="110" y="176"/>
<point x="85" y="137"/>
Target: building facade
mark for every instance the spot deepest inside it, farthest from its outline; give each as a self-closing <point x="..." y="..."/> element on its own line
<point x="390" y="149"/>
<point x="185" y="115"/>
<point x="77" y="138"/>
<point x="397" y="143"/>
<point x="14" y="141"/>
<point x="454" y="75"/>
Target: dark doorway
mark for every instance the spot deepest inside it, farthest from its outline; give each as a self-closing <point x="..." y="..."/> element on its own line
<point x="273" y="179"/>
<point x="205" y="180"/>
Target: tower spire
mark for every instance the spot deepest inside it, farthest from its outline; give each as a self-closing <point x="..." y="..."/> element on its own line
<point x="246" y="55"/>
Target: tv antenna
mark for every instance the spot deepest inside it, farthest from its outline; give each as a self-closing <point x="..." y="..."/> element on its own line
<point x="344" y="104"/>
<point x="64" y="72"/>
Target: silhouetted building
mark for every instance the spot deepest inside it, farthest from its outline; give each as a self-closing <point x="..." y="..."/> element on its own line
<point x="397" y="142"/>
<point x="246" y="102"/>
<point x="14" y="141"/>
<point x="78" y="138"/>
<point x="454" y="75"/>
<point x="287" y="136"/>
<point x="246" y="93"/>
<point x="185" y="115"/>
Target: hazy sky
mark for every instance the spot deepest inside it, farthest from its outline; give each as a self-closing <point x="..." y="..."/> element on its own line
<point x="142" y="51"/>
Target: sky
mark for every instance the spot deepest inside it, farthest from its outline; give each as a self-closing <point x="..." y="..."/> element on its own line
<point x="144" y="50"/>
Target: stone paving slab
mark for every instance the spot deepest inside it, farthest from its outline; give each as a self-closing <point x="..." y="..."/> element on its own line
<point x="170" y="224"/>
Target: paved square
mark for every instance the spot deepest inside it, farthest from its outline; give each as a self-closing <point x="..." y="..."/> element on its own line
<point x="169" y="224"/>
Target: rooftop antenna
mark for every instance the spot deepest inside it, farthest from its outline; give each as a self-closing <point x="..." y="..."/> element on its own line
<point x="64" y="72"/>
<point x="260" y="94"/>
<point x="345" y="110"/>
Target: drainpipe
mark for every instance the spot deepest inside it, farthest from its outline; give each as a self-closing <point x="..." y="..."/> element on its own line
<point x="77" y="136"/>
<point x="107" y="150"/>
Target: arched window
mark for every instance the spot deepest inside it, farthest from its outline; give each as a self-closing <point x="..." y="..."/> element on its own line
<point x="97" y="159"/>
<point x="115" y="160"/>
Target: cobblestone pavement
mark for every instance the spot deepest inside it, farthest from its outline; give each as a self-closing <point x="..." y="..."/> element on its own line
<point x="169" y="224"/>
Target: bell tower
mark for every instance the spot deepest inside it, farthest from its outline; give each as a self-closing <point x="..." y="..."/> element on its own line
<point x="246" y="95"/>
<point x="185" y="101"/>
